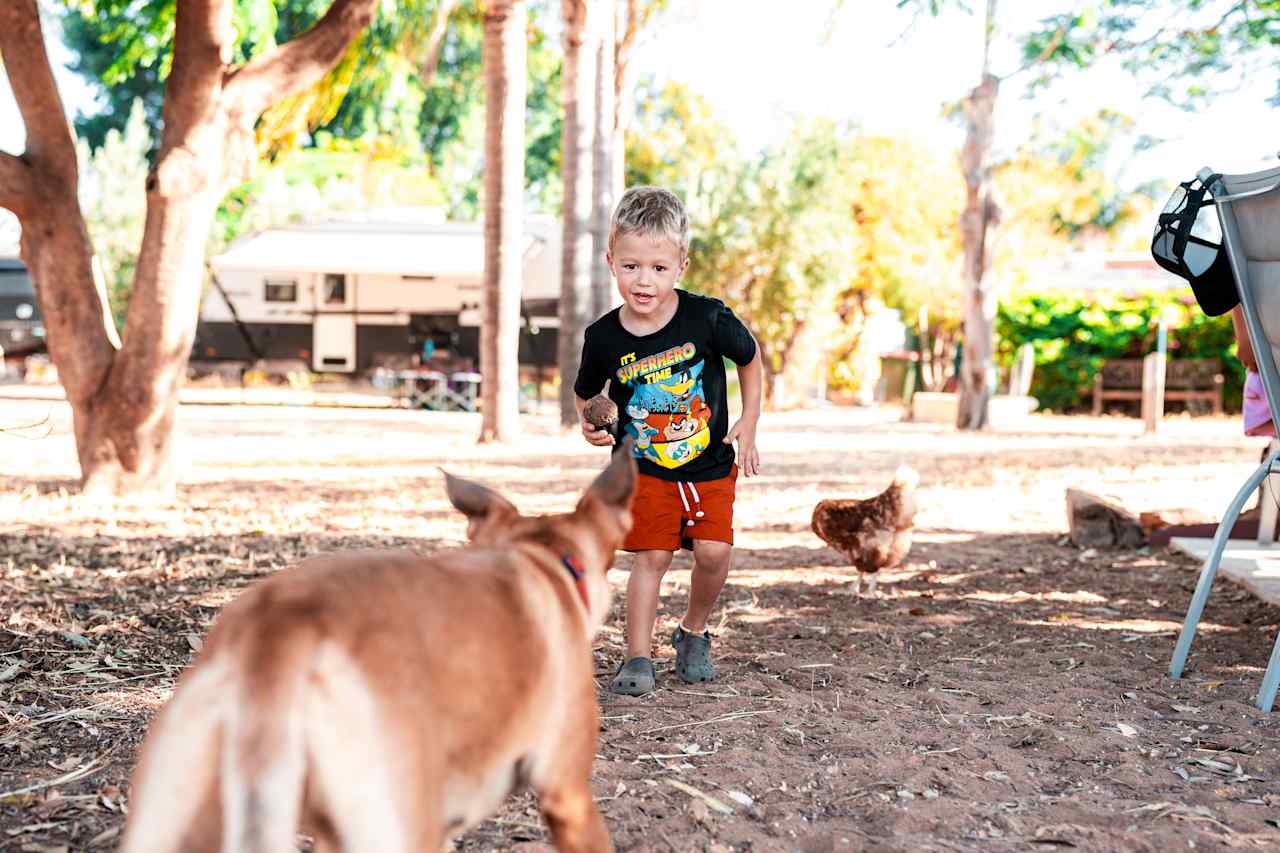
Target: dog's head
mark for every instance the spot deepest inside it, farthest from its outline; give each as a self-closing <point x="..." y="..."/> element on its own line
<point x="591" y="533"/>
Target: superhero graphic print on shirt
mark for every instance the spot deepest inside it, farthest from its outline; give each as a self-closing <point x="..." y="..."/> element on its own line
<point x="667" y="414"/>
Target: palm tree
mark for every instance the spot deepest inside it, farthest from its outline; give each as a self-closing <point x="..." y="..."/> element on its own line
<point x="606" y="13"/>
<point x="505" y="49"/>
<point x="577" y="81"/>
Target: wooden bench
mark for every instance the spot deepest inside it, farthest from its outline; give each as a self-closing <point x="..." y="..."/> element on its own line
<point x="1189" y="380"/>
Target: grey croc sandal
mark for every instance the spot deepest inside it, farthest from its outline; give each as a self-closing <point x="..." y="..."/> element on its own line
<point x="693" y="656"/>
<point x="635" y="677"/>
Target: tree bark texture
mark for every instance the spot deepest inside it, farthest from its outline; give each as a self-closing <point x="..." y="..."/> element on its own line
<point x="602" y="170"/>
<point x="124" y="394"/>
<point x="977" y="223"/>
<point x="505" y="57"/>
<point x="578" y="94"/>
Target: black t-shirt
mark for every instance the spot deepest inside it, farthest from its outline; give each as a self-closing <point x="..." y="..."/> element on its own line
<point x="670" y="385"/>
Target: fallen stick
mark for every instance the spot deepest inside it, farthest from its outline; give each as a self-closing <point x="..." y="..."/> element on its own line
<point x="92" y="767"/>
<point x="723" y="718"/>
<point x="702" y="795"/>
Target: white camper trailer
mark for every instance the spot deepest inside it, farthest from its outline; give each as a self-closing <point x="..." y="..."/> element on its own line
<point x="347" y="296"/>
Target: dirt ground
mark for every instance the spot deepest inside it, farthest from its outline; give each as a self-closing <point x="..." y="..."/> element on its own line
<point x="1007" y="691"/>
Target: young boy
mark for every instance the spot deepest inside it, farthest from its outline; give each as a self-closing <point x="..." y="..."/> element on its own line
<point x="663" y="354"/>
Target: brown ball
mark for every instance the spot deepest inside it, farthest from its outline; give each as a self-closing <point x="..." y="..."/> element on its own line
<point x="601" y="412"/>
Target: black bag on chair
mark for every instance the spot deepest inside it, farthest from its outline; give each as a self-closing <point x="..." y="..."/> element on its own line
<point x="1188" y="243"/>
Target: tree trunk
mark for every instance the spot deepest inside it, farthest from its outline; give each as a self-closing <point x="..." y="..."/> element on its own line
<point x="977" y="222"/>
<point x="631" y="17"/>
<point x="626" y="25"/>
<point x="578" y="92"/>
<point x="602" y="171"/>
<point x="124" y="395"/>
<point x="505" y="50"/>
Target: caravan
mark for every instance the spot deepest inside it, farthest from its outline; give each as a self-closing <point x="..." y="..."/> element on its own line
<point x="347" y="296"/>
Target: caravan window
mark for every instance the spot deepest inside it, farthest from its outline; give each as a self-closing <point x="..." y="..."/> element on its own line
<point x="335" y="289"/>
<point x="280" y="290"/>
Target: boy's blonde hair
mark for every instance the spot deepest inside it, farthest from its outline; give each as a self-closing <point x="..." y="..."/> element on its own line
<point x="653" y="212"/>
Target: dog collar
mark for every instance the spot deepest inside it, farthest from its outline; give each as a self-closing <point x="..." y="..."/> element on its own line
<point x="575" y="571"/>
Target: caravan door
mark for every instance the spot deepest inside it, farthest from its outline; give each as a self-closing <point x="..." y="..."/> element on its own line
<point x="333" y="345"/>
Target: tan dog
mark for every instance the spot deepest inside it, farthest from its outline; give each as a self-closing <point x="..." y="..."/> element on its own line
<point x="384" y="701"/>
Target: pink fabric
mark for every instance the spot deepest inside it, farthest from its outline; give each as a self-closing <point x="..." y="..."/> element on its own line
<point x="1257" y="417"/>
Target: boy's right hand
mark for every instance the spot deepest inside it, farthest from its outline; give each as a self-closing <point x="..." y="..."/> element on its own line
<point x="598" y="437"/>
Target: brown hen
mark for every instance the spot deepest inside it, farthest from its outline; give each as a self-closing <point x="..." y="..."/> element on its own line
<point x="873" y="533"/>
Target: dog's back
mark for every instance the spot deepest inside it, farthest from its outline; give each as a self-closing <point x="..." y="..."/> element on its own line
<point x="384" y="700"/>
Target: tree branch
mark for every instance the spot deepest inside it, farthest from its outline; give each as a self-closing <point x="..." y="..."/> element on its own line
<point x="201" y="37"/>
<point x="50" y="141"/>
<point x="1054" y="43"/>
<point x="299" y="62"/>
<point x="435" y="41"/>
<point x="17" y="190"/>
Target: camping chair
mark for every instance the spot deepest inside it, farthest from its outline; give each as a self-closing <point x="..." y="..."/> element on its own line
<point x="1269" y="501"/>
<point x="465" y="390"/>
<point x="1249" y="212"/>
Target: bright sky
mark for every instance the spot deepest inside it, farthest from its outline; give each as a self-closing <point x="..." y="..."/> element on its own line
<point x="760" y="67"/>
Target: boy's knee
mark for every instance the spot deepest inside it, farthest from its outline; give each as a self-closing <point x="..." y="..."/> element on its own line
<point x="707" y="552"/>
<point x="652" y="562"/>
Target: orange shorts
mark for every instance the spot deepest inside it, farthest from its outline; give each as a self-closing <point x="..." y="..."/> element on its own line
<point x="668" y="515"/>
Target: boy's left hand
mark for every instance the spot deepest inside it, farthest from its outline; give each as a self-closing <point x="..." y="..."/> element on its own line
<point x="748" y="457"/>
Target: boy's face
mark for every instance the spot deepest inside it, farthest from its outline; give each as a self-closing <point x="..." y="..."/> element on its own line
<point x="647" y="269"/>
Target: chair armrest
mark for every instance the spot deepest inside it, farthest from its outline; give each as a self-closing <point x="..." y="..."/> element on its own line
<point x="1247" y="194"/>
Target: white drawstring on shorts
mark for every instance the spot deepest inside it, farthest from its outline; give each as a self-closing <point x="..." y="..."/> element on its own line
<point x="697" y="501"/>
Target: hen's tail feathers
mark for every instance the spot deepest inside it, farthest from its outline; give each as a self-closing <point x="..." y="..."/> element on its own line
<point x="906" y="476"/>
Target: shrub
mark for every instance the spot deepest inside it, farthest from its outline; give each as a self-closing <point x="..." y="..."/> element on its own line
<point x="1072" y="335"/>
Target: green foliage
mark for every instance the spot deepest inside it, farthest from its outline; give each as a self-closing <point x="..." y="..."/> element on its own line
<point x="1072" y="335"/>
<point x="1185" y="50"/>
<point x="677" y="142"/>
<point x="451" y="122"/>
<point x="777" y="242"/>
<point x="335" y="176"/>
<point x="113" y="199"/>
<point x="908" y="250"/>
<point x="1083" y="151"/>
<point x="143" y="81"/>
<point x="814" y="233"/>
<point x="124" y="47"/>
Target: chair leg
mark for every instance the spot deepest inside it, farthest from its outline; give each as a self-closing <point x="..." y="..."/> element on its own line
<point x="1210" y="568"/>
<point x="1267" y="497"/>
<point x="1270" y="679"/>
<point x="1267" y="511"/>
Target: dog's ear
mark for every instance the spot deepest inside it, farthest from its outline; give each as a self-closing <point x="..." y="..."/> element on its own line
<point x="478" y="503"/>
<point x="617" y="483"/>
